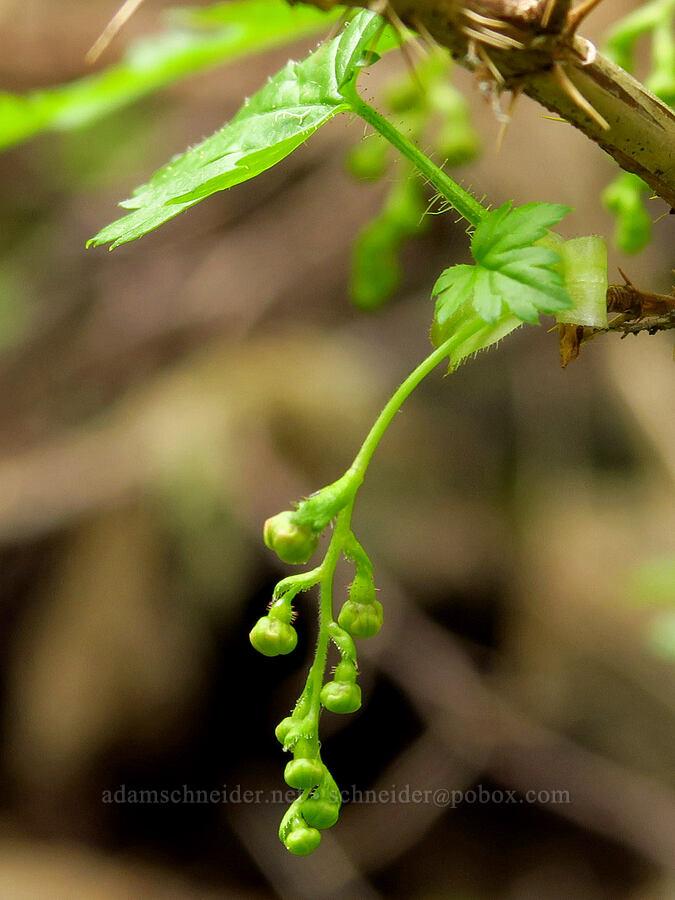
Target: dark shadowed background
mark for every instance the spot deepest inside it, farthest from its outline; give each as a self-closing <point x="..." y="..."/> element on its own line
<point x="158" y="403"/>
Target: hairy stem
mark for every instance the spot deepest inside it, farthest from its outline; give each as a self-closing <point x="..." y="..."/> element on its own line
<point x="315" y="678"/>
<point x="309" y="704"/>
<point x="383" y="421"/>
<point x="465" y="204"/>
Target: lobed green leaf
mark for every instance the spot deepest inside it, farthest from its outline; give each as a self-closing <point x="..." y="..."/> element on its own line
<point x="486" y="336"/>
<point x="510" y="271"/>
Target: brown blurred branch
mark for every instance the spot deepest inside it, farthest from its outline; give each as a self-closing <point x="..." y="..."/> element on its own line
<point x="476" y="723"/>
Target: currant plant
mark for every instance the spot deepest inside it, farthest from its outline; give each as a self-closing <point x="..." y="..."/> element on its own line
<point x="521" y="269"/>
<point x="516" y="276"/>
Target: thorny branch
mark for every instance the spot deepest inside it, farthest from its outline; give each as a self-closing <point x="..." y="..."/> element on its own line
<point x="531" y="46"/>
<point x="637" y="311"/>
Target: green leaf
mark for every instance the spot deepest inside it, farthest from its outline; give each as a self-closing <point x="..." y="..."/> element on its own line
<point x="452" y="288"/>
<point x="464" y="314"/>
<point x="243" y="27"/>
<point x="510" y="271"/>
<point x="488" y="335"/>
<point x="281" y="116"/>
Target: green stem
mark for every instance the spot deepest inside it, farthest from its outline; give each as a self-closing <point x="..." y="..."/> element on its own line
<point x="397" y="399"/>
<point x="309" y="704"/>
<point x="342" y="529"/>
<point x="466" y="205"/>
<point x="315" y="677"/>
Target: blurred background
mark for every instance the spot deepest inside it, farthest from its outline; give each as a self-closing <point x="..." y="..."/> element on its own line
<point x="159" y="402"/>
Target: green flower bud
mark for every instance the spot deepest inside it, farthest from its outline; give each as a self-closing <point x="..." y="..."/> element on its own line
<point x="376" y="270"/>
<point x="404" y="96"/>
<point x="302" y="841"/>
<point x="446" y="99"/>
<point x="457" y="145"/>
<point x="406" y="206"/>
<point x="361" y="620"/>
<point x="294" y="544"/>
<point x="284" y="728"/>
<point x="272" y="637"/>
<point x="320" y="813"/>
<point x="456" y="142"/>
<point x="368" y="159"/>
<point x="341" y="697"/>
<point x="303" y="774"/>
